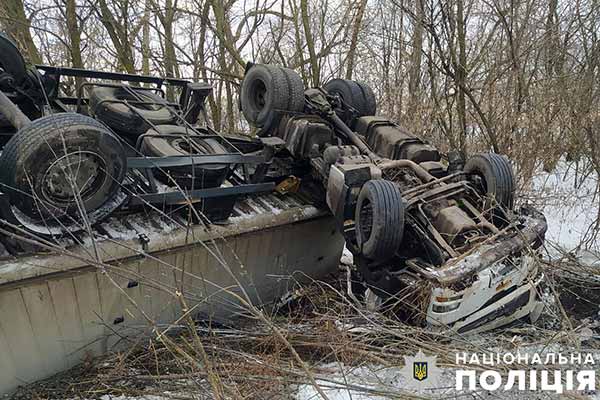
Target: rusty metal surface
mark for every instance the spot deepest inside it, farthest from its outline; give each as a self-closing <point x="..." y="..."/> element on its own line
<point x="451" y="221"/>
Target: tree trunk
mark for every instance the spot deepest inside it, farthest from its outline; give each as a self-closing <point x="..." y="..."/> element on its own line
<point x="461" y="76"/>
<point x="74" y="39"/>
<point x="414" y="75"/>
<point x="119" y="36"/>
<point x="310" y="44"/>
<point x="223" y="31"/>
<point x="17" y="25"/>
<point x="298" y="42"/>
<point x="552" y="39"/>
<point x="170" y="58"/>
<point x="362" y="5"/>
<point x="146" y="40"/>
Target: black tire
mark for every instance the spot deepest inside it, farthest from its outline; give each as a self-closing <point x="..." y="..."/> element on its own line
<point x="178" y="143"/>
<point x="379" y="220"/>
<point x="296" y="90"/>
<point x="11" y="60"/>
<point x="35" y="162"/>
<point x="497" y="178"/>
<point x="268" y="89"/>
<point x="355" y="94"/>
<point x="121" y="117"/>
<point x="370" y="104"/>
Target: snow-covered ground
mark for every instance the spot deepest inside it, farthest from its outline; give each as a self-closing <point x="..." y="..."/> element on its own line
<point x="145" y="397"/>
<point x="571" y="208"/>
<point x="371" y="382"/>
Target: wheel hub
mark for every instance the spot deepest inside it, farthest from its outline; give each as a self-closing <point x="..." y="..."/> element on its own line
<point x="75" y="172"/>
<point x="260" y="94"/>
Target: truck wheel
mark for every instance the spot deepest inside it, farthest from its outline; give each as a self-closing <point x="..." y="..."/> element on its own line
<point x="178" y="141"/>
<point x="129" y="120"/>
<point x="355" y="94"/>
<point x="497" y="179"/>
<point x="268" y="90"/>
<point x="370" y="101"/>
<point x="296" y="88"/>
<point x="45" y="163"/>
<point x="379" y="220"/>
<point x="11" y="61"/>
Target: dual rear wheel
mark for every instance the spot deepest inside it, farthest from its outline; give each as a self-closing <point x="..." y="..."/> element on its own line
<point x="358" y="99"/>
<point x="268" y="91"/>
<point x="60" y="167"/>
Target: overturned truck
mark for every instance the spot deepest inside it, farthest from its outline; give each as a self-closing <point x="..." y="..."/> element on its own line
<point x="117" y="196"/>
<point x="441" y="238"/>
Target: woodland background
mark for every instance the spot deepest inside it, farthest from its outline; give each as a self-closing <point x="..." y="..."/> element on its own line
<point x="519" y="77"/>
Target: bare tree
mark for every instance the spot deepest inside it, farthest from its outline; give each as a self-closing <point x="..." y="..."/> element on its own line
<point x="16" y="23"/>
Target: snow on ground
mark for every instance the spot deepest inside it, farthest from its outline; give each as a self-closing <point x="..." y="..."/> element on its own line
<point x="347" y="257"/>
<point x="368" y="382"/>
<point x="364" y="379"/>
<point x="570" y="206"/>
<point x="372" y="382"/>
<point x="146" y="397"/>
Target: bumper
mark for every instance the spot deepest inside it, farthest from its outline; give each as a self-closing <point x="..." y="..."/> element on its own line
<point x="499" y="295"/>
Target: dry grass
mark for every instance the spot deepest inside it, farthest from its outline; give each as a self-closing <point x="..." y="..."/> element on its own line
<point x="258" y="358"/>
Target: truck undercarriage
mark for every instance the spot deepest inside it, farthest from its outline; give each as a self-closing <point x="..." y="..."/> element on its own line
<point x="443" y="240"/>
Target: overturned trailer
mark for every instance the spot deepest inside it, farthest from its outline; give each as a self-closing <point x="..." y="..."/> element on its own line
<point x="122" y="211"/>
<point x="59" y="308"/>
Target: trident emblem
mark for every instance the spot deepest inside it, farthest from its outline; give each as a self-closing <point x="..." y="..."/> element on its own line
<point x="420" y="370"/>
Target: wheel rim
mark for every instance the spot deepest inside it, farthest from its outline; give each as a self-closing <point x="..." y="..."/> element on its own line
<point x="84" y="171"/>
<point x="259" y="94"/>
<point x="480" y="183"/>
<point x="340" y="95"/>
